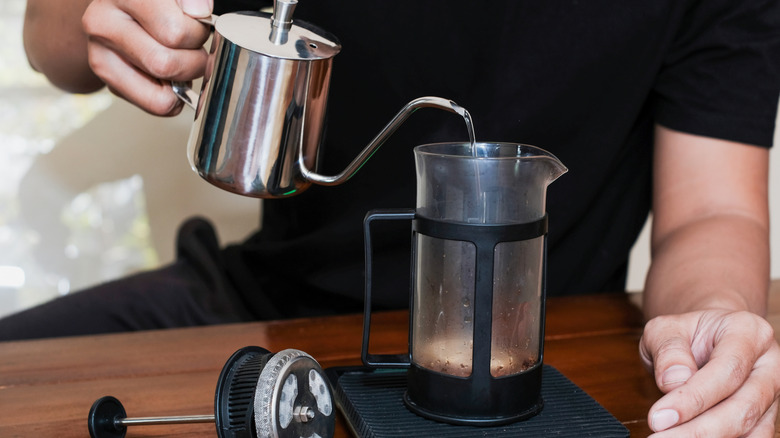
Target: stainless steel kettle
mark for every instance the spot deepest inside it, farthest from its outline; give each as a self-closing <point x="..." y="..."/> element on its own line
<point x="260" y="115"/>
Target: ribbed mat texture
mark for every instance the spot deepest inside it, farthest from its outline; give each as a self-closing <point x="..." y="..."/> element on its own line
<point x="372" y="402"/>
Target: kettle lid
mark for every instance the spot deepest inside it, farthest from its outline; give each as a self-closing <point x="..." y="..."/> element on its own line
<point x="263" y="33"/>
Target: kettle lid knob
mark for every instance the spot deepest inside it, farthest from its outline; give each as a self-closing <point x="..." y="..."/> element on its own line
<point x="275" y="35"/>
<point x="283" y="12"/>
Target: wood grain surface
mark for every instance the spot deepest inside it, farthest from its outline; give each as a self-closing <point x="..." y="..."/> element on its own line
<point x="47" y="386"/>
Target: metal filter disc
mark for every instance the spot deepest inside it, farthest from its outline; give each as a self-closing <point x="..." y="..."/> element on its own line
<point x="293" y="399"/>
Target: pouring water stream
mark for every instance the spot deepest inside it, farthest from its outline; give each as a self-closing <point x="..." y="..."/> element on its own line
<point x="474" y="153"/>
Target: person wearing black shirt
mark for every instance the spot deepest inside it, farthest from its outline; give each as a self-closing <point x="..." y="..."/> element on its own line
<point x="667" y="105"/>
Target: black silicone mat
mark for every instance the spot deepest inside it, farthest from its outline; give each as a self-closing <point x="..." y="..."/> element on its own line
<point x="372" y="402"/>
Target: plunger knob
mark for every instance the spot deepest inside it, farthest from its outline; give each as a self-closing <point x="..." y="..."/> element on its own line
<point x="103" y="416"/>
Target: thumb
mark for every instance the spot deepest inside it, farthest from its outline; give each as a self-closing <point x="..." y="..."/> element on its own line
<point x="666" y="350"/>
<point x="197" y="8"/>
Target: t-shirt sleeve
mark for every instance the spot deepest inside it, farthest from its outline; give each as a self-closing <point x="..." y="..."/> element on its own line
<point x="721" y="77"/>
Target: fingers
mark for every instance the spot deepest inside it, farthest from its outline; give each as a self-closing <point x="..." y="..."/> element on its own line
<point x="167" y="23"/>
<point x="766" y="426"/>
<point x="135" y="46"/>
<point x="665" y="349"/>
<point x="750" y="412"/>
<point x="737" y="382"/>
<point x="150" y="94"/>
<point x="197" y="8"/>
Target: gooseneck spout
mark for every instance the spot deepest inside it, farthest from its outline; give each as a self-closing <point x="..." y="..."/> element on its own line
<point x="387" y="131"/>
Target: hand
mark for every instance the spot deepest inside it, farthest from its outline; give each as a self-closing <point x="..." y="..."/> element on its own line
<point x="720" y="371"/>
<point x="137" y="46"/>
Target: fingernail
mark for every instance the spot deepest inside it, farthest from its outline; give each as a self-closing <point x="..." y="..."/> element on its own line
<point x="676" y="374"/>
<point x="664" y="419"/>
<point x="196" y="8"/>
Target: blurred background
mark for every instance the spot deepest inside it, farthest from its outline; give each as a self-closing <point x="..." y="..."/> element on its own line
<point x="92" y="189"/>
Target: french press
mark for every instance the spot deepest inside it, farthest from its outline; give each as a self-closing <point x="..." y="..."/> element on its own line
<point x="477" y="301"/>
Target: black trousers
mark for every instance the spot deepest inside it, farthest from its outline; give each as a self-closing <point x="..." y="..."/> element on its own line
<point x="190" y="292"/>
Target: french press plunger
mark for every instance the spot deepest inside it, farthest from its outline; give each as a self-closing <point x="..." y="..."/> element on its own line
<point x="259" y="395"/>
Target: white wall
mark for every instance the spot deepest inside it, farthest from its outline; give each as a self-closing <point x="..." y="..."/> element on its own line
<point x="105" y="201"/>
<point x="122" y="142"/>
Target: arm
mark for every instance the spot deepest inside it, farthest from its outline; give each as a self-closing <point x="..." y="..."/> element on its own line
<point x="56" y="44"/>
<point x="135" y="47"/>
<point x="712" y="353"/>
<point x="710" y="237"/>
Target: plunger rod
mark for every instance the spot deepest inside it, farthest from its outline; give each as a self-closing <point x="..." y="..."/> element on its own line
<point x="149" y="421"/>
<point x="107" y="418"/>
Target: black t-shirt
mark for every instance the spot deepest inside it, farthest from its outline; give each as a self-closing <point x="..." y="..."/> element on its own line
<point x="585" y="80"/>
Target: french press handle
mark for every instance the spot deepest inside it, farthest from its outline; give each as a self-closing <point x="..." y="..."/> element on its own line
<point x="379" y="360"/>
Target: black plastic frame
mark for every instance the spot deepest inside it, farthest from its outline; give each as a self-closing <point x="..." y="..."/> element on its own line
<point x="479" y="399"/>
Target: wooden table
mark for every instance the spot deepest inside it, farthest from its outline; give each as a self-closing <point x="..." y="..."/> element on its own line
<point x="48" y="386"/>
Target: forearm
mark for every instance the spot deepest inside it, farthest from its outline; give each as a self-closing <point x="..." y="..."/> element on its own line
<point x="710" y="239"/>
<point x="56" y="44"/>
<point x="718" y="262"/>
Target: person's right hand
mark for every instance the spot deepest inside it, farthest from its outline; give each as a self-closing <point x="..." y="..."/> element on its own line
<point x="137" y="46"/>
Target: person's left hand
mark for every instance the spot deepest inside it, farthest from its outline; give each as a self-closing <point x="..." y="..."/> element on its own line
<point x="719" y="370"/>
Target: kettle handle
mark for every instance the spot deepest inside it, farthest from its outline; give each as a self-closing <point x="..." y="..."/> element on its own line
<point x="185" y="93"/>
<point x="182" y="90"/>
<point x="380" y="360"/>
